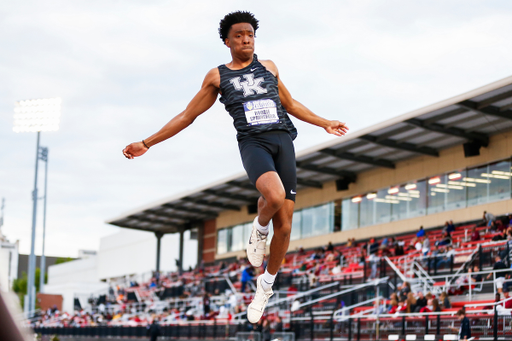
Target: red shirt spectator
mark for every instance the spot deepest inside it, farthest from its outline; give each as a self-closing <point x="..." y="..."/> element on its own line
<point x="475" y="235"/>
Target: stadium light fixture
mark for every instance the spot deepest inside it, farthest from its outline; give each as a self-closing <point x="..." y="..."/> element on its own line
<point x="36" y="115"/>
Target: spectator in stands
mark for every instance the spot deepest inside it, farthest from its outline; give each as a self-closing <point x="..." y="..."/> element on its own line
<point x="465" y="326"/>
<point x="329" y="247"/>
<point x="405" y="289"/>
<point x="373" y="247"/>
<point x="278" y="324"/>
<point x="206" y="304"/>
<point x="362" y="256"/>
<point x="447" y="257"/>
<point x="476" y="278"/>
<point x="411" y="303"/>
<point x="399" y="249"/>
<point x="500" y="276"/>
<point x="393" y="306"/>
<point x="421" y="302"/>
<point x="247" y="275"/>
<point x="488" y="218"/>
<point x="350" y="243"/>
<point x="449" y="227"/>
<point x="374" y="260"/>
<point x="475" y="235"/>
<point x="506" y="296"/>
<point x="445" y="301"/>
<point x="318" y="254"/>
<point x="429" y="307"/>
<point x="446" y="239"/>
<point x="421" y="232"/>
<point x="425" y="247"/>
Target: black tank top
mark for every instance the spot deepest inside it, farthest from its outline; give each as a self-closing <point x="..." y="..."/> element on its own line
<point x="251" y="97"/>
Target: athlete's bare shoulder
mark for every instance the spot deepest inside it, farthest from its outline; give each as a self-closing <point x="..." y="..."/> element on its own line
<point x="212" y="78"/>
<point x="271" y="66"/>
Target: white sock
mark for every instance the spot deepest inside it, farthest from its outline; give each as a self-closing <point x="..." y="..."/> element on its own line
<point x="261" y="229"/>
<point x="268" y="280"/>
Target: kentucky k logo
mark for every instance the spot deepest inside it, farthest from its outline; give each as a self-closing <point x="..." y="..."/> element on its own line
<point x="249" y="86"/>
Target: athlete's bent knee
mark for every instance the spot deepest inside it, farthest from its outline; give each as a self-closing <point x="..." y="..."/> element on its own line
<point x="275" y="199"/>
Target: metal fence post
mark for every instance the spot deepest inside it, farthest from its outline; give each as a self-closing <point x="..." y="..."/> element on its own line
<point x="332" y="327"/>
<point x="358" y="328"/>
<point x="426" y="324"/>
<point x="311" y="323"/>
<point x="495" y="324"/>
<point x="349" y="329"/>
<point x="214" y="328"/>
<point x="480" y="260"/>
<point x="403" y="326"/>
<point x="438" y="325"/>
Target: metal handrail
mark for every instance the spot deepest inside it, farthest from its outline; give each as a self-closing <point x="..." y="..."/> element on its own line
<point x="361" y="286"/>
<point x="348" y="308"/>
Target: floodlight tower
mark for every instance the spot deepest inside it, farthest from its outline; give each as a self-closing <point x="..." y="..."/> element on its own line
<point x="35" y="115"/>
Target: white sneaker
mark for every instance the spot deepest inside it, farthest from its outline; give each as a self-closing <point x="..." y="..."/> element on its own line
<point x="259" y="302"/>
<point x="256" y="246"/>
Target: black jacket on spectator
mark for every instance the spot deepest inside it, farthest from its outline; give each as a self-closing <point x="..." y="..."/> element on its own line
<point x="499" y="266"/>
<point x="465" y="329"/>
<point x="420" y="303"/>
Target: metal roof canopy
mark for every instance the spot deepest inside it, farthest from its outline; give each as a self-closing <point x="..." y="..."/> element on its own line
<point x="470" y="117"/>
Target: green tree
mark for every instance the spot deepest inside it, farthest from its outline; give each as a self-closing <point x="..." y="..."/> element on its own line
<point x="19" y="286"/>
<point x="61" y="260"/>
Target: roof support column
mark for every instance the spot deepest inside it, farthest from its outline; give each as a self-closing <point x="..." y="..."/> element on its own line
<point x="159" y="236"/>
<point x="180" y="265"/>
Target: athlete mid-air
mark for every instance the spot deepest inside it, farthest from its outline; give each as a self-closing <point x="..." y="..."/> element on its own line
<point x="256" y="98"/>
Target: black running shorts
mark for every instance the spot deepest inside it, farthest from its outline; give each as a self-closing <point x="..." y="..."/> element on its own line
<point x="271" y="151"/>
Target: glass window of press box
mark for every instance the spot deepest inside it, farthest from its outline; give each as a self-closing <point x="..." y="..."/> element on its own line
<point x="444" y="192"/>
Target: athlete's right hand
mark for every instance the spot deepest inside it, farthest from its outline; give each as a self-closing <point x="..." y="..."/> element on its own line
<point x="134" y="149"/>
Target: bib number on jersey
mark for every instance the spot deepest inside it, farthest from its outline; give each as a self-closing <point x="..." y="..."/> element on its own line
<point x="263" y="111"/>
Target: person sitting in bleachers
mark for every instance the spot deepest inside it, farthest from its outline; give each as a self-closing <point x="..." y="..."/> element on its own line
<point x="500" y="276"/>
<point x="488" y="218"/>
<point x="421" y="301"/>
<point x="425" y="245"/>
<point x="445" y="301"/>
<point x="411" y="303"/>
<point x="373" y="247"/>
<point x="399" y="249"/>
<point x="329" y="247"/>
<point x="318" y="254"/>
<point x="447" y="257"/>
<point x="506" y="295"/>
<point x="421" y="232"/>
<point x="449" y="227"/>
<point x="446" y="239"/>
<point x="393" y="306"/>
<point x="404" y="290"/>
<point x="475" y="235"/>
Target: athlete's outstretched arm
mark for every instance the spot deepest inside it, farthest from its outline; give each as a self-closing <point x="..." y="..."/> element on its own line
<point x="298" y="110"/>
<point x="201" y="102"/>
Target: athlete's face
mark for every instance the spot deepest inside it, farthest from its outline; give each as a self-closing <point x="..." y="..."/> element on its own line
<point x="241" y="40"/>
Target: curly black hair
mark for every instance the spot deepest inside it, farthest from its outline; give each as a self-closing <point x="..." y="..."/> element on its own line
<point x="235" y="18"/>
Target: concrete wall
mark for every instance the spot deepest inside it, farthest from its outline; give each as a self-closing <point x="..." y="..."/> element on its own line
<point x="134" y="252"/>
<point x="451" y="159"/>
<point x="8" y="265"/>
<point x="80" y="270"/>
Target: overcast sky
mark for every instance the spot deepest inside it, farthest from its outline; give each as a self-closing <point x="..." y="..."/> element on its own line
<point x="124" y="68"/>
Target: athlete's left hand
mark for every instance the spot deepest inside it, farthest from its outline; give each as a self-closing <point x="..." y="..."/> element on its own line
<point x="336" y="128"/>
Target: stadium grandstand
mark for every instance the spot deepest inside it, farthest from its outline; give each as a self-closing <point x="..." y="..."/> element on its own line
<point x="400" y="230"/>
